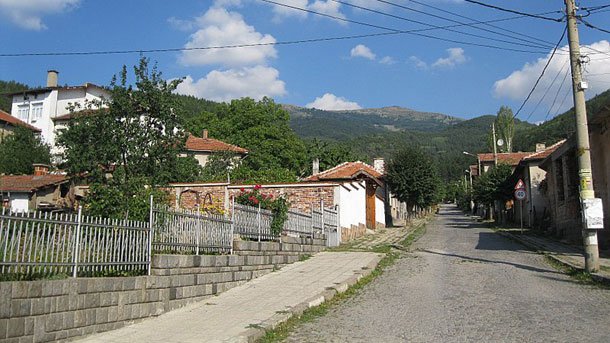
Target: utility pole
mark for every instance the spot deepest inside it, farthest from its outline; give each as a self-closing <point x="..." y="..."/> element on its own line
<point x="582" y="137"/>
<point x="493" y="131"/>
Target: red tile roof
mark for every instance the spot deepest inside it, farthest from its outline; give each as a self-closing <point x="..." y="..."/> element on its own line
<point x="510" y="158"/>
<point x="210" y="144"/>
<point x="29" y="183"/>
<point x="7" y="118"/>
<point x="541" y="155"/>
<point x="346" y="171"/>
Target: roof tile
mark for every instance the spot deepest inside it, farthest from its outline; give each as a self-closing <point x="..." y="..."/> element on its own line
<point x="210" y="144"/>
<point x="29" y="183"/>
<point x="5" y="117"/>
<point x="346" y="170"/>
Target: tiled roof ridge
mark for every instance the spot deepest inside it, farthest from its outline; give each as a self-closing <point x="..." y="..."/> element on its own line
<point x="338" y="167"/>
<point x="551" y="147"/>
<point x="229" y="146"/>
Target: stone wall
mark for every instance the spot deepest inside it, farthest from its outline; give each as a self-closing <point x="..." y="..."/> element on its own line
<point x="48" y="310"/>
<point x="352" y="232"/>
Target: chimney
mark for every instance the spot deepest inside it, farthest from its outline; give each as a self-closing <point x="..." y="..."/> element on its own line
<point x="379" y="165"/>
<point x="40" y="169"/>
<point x="52" y="78"/>
<point x="204" y="134"/>
<point x="315" y="168"/>
<point x="540" y="147"/>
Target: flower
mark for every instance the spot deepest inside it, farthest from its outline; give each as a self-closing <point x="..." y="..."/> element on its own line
<point x="257" y="187"/>
<point x="242" y="189"/>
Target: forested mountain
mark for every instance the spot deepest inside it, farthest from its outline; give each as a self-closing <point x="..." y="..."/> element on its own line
<point x="342" y="125"/>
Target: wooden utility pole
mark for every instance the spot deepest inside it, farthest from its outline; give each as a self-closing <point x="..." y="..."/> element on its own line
<point x="493" y="131"/>
<point x="582" y="137"/>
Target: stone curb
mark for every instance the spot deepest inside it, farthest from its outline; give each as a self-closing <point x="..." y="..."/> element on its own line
<point x="605" y="279"/>
<point x="255" y="333"/>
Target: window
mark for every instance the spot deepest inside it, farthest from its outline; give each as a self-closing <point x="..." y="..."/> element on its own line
<point x="23" y="112"/>
<point x="36" y="111"/>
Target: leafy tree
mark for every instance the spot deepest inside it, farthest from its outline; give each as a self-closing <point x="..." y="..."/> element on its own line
<point x="137" y="133"/>
<point x="275" y="151"/>
<point x="492" y="185"/>
<point x="412" y="178"/>
<point x="505" y="127"/>
<point x="20" y="150"/>
<point x="9" y="87"/>
<point x="329" y="154"/>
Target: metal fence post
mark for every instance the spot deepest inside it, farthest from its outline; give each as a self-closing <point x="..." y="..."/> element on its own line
<point x="312" y="222"/>
<point x="77" y="243"/>
<point x="337" y="208"/>
<point x="322" y="212"/>
<point x="258" y="216"/>
<point x="198" y="228"/>
<point x="151" y="219"/>
<point x="232" y="222"/>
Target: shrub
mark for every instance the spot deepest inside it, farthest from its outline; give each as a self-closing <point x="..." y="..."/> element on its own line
<point x="277" y="205"/>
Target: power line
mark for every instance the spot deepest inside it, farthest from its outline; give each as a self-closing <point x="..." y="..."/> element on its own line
<point x="471" y="25"/>
<point x="412" y="32"/>
<point x="486" y="24"/>
<point x="565" y="76"/>
<point x="542" y="74"/>
<point x="547" y="89"/>
<point x="432" y="25"/>
<point x="514" y="11"/>
<point x="589" y="25"/>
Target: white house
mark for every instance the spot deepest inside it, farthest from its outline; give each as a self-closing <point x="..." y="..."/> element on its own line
<point x="39" y="107"/>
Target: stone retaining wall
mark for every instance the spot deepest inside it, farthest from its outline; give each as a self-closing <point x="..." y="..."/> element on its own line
<point x="48" y="310"/>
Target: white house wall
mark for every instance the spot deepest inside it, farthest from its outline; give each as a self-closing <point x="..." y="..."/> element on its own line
<point x="379" y="211"/>
<point x="19" y="202"/>
<point x="352" y="204"/>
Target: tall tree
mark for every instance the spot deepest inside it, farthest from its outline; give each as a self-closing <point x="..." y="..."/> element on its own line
<point x="412" y="178"/>
<point x="505" y="128"/>
<point x="137" y="132"/>
<point x="20" y="150"/>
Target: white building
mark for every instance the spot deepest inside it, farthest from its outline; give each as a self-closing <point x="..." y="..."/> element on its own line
<point x="39" y="107"/>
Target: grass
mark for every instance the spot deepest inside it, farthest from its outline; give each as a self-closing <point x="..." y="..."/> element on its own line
<point x="578" y="275"/>
<point x="282" y="331"/>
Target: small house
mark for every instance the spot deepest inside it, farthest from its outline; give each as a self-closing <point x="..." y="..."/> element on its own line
<point x="40" y="191"/>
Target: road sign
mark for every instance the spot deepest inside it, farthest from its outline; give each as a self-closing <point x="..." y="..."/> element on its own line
<point x="520" y="184"/>
<point x="520" y="194"/>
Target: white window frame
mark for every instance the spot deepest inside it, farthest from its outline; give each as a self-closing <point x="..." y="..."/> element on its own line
<point x="23" y="112"/>
<point x="36" y="111"/>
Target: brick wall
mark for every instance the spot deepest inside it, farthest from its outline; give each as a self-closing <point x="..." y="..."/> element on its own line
<point x="48" y="310"/>
<point x="300" y="197"/>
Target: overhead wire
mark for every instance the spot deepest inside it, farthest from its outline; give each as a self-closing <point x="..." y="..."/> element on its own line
<point x="513" y="11"/>
<point x="591" y="26"/>
<point x="565" y="76"/>
<point x="542" y="73"/>
<point x="435" y="26"/>
<point x="547" y="89"/>
<point x="412" y="32"/>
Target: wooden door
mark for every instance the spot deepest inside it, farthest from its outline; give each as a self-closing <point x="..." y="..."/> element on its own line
<point x="370" y="205"/>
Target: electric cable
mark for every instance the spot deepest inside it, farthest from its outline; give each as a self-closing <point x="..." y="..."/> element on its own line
<point x="589" y="25"/>
<point x="548" y="89"/>
<point x="513" y="11"/>
<point x="565" y="76"/>
<point x="542" y="74"/>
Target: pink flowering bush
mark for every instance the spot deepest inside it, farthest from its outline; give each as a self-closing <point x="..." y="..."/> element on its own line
<point x="278" y="205"/>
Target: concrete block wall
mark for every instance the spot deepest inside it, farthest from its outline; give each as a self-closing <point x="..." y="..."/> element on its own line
<point x="50" y="310"/>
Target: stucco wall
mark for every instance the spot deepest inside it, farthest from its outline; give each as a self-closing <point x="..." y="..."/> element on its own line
<point x="353" y="204"/>
<point x="19" y="202"/>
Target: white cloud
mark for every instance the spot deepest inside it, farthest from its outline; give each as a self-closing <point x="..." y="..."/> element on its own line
<point x="219" y="27"/>
<point x="255" y="82"/>
<point x="328" y="7"/>
<point x="387" y="60"/>
<point x="181" y="24"/>
<point x="418" y="63"/>
<point x="362" y="51"/>
<point x="28" y="13"/>
<point x="518" y="84"/>
<point x="456" y="56"/>
<point x="331" y="102"/>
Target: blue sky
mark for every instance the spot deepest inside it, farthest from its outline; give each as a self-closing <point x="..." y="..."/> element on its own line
<point x="405" y="70"/>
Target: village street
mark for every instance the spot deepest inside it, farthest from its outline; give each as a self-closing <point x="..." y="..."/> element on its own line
<point x="465" y="283"/>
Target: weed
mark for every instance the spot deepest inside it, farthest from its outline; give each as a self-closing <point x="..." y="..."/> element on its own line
<point x="304" y="257"/>
<point x="578" y="275"/>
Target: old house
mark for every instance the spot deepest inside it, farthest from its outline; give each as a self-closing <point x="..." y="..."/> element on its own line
<point x="535" y="205"/>
<point x="201" y="148"/>
<point x="41" y="191"/>
<point x="8" y="124"/>
<point x="561" y="184"/>
<point x="39" y="107"/>
<point x="487" y="160"/>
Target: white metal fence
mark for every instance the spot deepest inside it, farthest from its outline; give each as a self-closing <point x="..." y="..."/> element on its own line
<point x="46" y="243"/>
<point x="40" y="243"/>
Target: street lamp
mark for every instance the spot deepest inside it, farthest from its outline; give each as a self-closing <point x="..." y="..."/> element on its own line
<point x="478" y="161"/>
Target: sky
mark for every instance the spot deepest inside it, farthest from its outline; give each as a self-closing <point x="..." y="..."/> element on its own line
<point x="327" y="54"/>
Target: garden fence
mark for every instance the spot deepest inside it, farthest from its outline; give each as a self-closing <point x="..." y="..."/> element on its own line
<point x="43" y="243"/>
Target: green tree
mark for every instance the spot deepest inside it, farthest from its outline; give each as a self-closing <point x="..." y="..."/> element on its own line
<point x="413" y="179"/>
<point x="505" y="128"/>
<point x="137" y="133"/>
<point x="492" y="186"/>
<point x="9" y="87"/>
<point x="262" y="127"/>
<point x="20" y="150"/>
<point x="329" y="154"/>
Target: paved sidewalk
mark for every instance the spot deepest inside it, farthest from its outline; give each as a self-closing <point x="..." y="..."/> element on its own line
<point x="242" y="313"/>
<point x="569" y="255"/>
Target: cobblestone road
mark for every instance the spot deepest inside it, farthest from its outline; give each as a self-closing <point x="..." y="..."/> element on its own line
<point x="464" y="283"/>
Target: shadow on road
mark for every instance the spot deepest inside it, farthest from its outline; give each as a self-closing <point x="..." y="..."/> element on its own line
<point x="476" y="259"/>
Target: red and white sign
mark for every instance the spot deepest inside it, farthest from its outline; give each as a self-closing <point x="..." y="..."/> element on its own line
<point x="520" y="184"/>
<point x="520" y="194"/>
